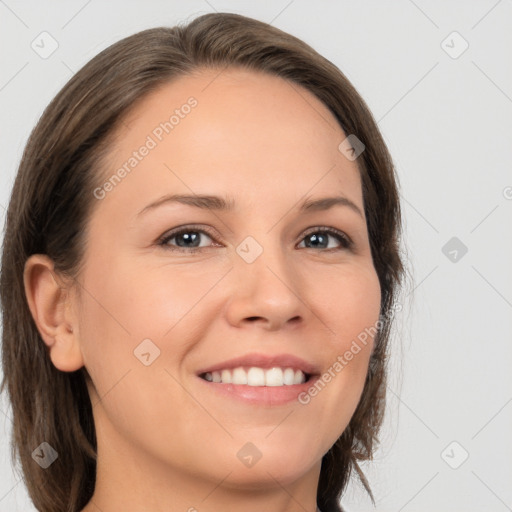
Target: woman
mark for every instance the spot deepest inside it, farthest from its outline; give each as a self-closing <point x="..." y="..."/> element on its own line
<point x="198" y="278"/>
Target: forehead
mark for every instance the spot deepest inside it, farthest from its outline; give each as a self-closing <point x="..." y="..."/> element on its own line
<point x="220" y="129"/>
<point x="240" y="95"/>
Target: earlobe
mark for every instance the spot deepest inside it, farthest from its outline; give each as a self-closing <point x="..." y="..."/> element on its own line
<point x="49" y="299"/>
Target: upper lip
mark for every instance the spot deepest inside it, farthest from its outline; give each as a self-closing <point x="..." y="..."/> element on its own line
<point x="264" y="361"/>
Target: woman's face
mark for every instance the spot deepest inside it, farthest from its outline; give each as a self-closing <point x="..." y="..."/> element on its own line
<point x="264" y="278"/>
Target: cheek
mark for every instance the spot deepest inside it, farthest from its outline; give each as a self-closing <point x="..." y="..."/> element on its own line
<point x="124" y="304"/>
<point x="350" y="309"/>
<point x="138" y="302"/>
<point x="357" y="324"/>
<point x="349" y="303"/>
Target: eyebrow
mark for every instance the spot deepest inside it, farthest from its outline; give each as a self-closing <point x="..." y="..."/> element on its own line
<point x="218" y="203"/>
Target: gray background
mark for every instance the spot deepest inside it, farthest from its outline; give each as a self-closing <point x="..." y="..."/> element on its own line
<point x="447" y="119"/>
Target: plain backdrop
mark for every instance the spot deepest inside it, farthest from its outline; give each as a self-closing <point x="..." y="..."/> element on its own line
<point x="437" y="76"/>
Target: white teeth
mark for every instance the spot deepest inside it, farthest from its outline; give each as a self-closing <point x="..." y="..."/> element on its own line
<point x="239" y="376"/>
<point x="225" y="376"/>
<point x="274" y="377"/>
<point x="299" y="377"/>
<point x="255" y="376"/>
<point x="289" y="376"/>
<point x="258" y="376"/>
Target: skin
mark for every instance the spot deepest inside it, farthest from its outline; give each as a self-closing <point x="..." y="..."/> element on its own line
<point x="163" y="442"/>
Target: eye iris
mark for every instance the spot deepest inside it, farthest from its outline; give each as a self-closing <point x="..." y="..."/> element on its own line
<point x="189" y="236"/>
<point x="318" y="240"/>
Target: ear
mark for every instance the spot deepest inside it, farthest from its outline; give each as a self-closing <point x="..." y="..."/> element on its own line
<point x="49" y="300"/>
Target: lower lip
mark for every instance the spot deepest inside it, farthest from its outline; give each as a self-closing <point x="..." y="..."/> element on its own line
<point x="260" y="395"/>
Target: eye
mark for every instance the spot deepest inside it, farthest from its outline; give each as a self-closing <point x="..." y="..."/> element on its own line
<point x="185" y="239"/>
<point x="192" y="239"/>
<point x="320" y="239"/>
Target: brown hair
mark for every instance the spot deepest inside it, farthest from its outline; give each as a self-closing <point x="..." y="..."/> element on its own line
<point x="52" y="200"/>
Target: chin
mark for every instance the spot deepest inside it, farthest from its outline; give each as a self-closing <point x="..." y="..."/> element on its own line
<point x="272" y="470"/>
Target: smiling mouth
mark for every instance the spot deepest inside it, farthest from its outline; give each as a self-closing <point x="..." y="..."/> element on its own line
<point x="257" y="377"/>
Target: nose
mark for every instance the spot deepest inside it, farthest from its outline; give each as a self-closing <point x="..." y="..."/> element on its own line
<point x="266" y="292"/>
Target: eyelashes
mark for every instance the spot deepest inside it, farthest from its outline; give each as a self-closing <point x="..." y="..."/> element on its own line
<point x="318" y="236"/>
<point x="164" y="241"/>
